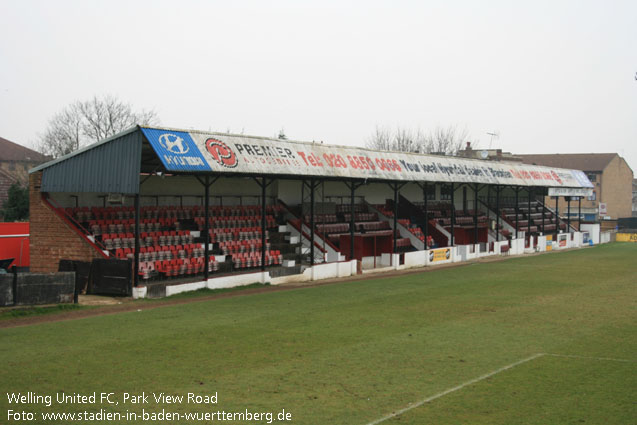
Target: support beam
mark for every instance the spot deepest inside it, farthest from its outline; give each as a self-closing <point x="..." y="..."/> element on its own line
<point x="528" y="216"/>
<point x="395" y="216"/>
<point x="351" y="220"/>
<point x="476" y="190"/>
<point x="137" y="244"/>
<point x="425" y="195"/>
<point x="568" y="214"/>
<point x="579" y="213"/>
<point x="312" y="184"/>
<point x="264" y="185"/>
<point x="206" y="229"/>
<point x="497" y="213"/>
<point x="517" y="215"/>
<point x="557" y="217"/>
<point x="543" y="210"/>
<point x="453" y="213"/>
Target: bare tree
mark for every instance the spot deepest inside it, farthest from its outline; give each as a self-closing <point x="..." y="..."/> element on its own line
<point x="83" y="123"/>
<point x="446" y="140"/>
<point x="401" y="139"/>
<point x="442" y="140"/>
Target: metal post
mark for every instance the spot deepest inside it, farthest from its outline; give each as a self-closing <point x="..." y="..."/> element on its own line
<point x="497" y="213"/>
<point x="425" y="195"/>
<point x="475" y="213"/>
<point x="517" y="192"/>
<point x="568" y="214"/>
<point x="528" y="217"/>
<point x="395" y="216"/>
<point x="579" y="213"/>
<point x="206" y="229"/>
<point x="351" y="221"/>
<point x="557" y="216"/>
<point x="311" y="222"/>
<point x="453" y="213"/>
<point x="263" y="225"/>
<point x="543" y="211"/>
<point x="136" y="261"/>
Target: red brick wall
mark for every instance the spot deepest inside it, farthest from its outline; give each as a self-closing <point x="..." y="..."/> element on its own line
<point x="51" y="238"/>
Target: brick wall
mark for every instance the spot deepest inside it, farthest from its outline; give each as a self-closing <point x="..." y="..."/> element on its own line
<point x="51" y="238"/>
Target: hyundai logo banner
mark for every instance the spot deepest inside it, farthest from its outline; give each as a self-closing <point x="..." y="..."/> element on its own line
<point x="199" y="151"/>
<point x="177" y="150"/>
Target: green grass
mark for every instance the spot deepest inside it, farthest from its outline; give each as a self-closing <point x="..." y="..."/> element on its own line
<point x="13" y="313"/>
<point x="354" y="352"/>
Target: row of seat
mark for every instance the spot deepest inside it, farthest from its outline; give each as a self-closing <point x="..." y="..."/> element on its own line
<point x="153" y="253"/>
<point x="253" y="259"/>
<point x="372" y="225"/>
<point x="343" y="208"/>
<point x="327" y="229"/>
<point x="234" y="247"/>
<point x="243" y="221"/>
<point x="84" y="214"/>
<point x="237" y="233"/>
<point x="176" y="267"/>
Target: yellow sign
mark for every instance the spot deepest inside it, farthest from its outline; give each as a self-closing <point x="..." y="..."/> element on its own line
<point x="549" y="242"/>
<point x="626" y="237"/>
<point x="439" y="255"/>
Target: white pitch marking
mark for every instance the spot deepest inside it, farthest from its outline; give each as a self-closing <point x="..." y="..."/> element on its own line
<point x="573" y="356"/>
<point x="456" y="388"/>
<point x="488" y="375"/>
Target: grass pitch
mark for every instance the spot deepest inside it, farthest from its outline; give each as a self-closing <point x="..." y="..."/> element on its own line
<point x="355" y="352"/>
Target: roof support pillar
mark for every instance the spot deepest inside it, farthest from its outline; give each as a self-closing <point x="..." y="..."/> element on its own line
<point x="264" y="184"/>
<point x="497" y="213"/>
<point x="557" y="216"/>
<point x="136" y="261"/>
<point x="206" y="225"/>
<point x="579" y="213"/>
<point x="517" y="215"/>
<point x="206" y="229"/>
<point x="568" y="214"/>
<point x="543" y="208"/>
<point x="476" y="190"/>
<point x="425" y="195"/>
<point x="453" y="214"/>
<point x="312" y="186"/>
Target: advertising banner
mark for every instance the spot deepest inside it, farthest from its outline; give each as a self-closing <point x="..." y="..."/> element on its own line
<point x="213" y="152"/>
<point x="440" y="254"/>
<point x="626" y="237"/>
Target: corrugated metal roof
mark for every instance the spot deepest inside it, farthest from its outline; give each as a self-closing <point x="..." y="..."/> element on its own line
<point x="112" y="165"/>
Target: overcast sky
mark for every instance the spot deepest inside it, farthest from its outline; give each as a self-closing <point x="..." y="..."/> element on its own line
<point x="549" y="76"/>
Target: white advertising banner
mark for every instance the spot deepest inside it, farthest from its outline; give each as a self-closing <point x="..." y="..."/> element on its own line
<point x="570" y="191"/>
<point x="213" y="152"/>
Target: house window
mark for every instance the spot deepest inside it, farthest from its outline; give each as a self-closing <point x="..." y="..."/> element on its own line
<point x="592" y="177"/>
<point x="593" y="197"/>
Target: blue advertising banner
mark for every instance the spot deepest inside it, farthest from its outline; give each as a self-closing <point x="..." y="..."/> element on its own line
<point x="176" y="149"/>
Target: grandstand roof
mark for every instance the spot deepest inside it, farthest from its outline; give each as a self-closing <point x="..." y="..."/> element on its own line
<point x="114" y="165"/>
